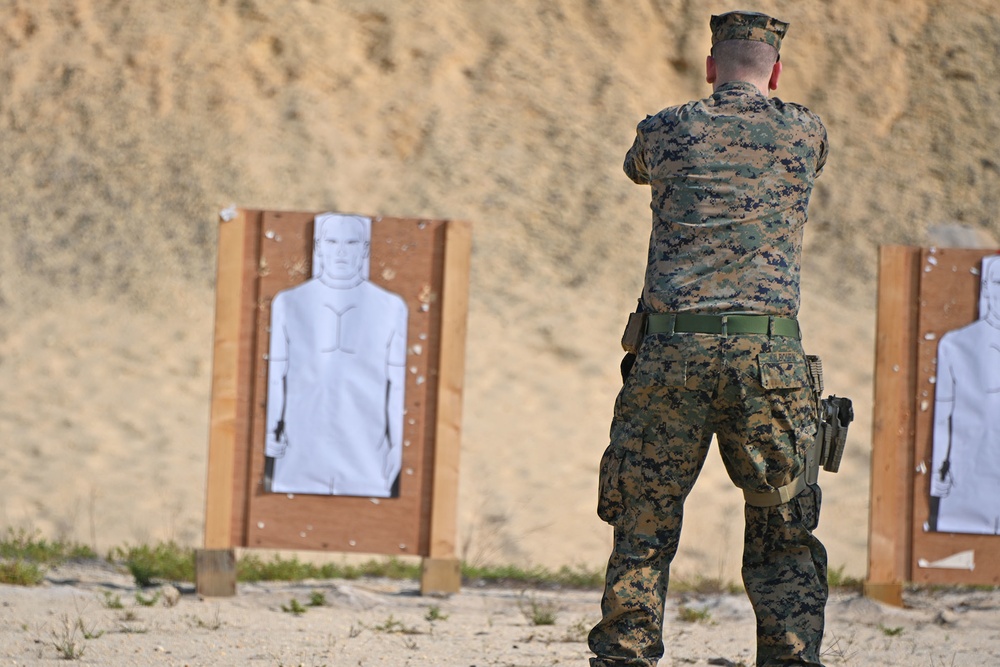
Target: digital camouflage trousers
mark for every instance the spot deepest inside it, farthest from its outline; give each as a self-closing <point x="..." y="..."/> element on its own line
<point x="753" y="393"/>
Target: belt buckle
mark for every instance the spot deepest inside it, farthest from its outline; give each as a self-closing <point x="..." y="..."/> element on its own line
<point x="725" y="326"/>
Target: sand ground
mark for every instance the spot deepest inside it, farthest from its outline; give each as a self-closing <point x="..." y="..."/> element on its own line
<point x="372" y="622"/>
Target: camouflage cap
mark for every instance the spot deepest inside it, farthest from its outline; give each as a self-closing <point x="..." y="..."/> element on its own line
<point x="752" y="26"/>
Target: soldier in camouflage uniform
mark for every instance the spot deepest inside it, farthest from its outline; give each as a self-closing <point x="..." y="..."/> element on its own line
<point x="731" y="177"/>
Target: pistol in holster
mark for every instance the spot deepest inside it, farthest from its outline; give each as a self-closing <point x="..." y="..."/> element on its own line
<point x="835" y="416"/>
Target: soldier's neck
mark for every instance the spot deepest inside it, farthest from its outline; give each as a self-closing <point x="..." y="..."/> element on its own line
<point x="762" y="88"/>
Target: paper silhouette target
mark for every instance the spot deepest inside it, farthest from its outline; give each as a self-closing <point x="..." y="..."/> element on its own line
<point x="965" y="481"/>
<point x="336" y="373"/>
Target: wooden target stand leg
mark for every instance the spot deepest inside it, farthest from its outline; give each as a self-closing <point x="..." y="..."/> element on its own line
<point x="890" y="511"/>
<point x="441" y="571"/>
<point x="215" y="566"/>
<point x="440" y="576"/>
<point x="215" y="572"/>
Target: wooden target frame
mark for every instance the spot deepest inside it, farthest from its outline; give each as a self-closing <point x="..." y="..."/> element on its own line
<point x="923" y="293"/>
<point x="426" y="262"/>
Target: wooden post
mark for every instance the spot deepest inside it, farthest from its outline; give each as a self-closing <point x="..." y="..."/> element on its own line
<point x="211" y="570"/>
<point x="215" y="572"/>
<point x="441" y="571"/>
<point x="889" y="538"/>
<point x="225" y="382"/>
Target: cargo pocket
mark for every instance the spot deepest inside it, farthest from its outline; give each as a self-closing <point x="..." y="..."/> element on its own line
<point x="610" y="496"/>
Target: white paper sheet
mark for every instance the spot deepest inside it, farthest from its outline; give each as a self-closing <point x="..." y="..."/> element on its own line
<point x="963" y="560"/>
<point x="336" y="373"/>
<point x="965" y="473"/>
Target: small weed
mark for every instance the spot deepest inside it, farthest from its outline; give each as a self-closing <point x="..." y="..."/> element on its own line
<point x="317" y="599"/>
<point x="210" y="624"/>
<point x="22" y="545"/>
<point x="839" y="650"/>
<point x="354" y="631"/>
<point x="538" y="612"/>
<point x="389" y="625"/>
<point x="253" y="568"/>
<point x="88" y="633"/>
<point x="393" y="626"/>
<point x="539" y="577"/>
<point x="689" y="615"/>
<point x="128" y="629"/>
<point x="890" y="632"/>
<point x="112" y="601"/>
<point x="148" y="601"/>
<point x="21" y="573"/>
<point x="164" y="561"/>
<point x="434" y="613"/>
<point x="410" y="643"/>
<point x="294" y="607"/>
<point x="127" y="622"/>
<point x="128" y="616"/>
<point x="704" y="586"/>
<point x="577" y="632"/>
<point x="65" y="639"/>
<point x="837" y="579"/>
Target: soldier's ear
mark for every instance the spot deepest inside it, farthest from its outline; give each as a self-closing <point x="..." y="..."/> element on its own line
<point x="772" y="83"/>
<point x="711" y="71"/>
